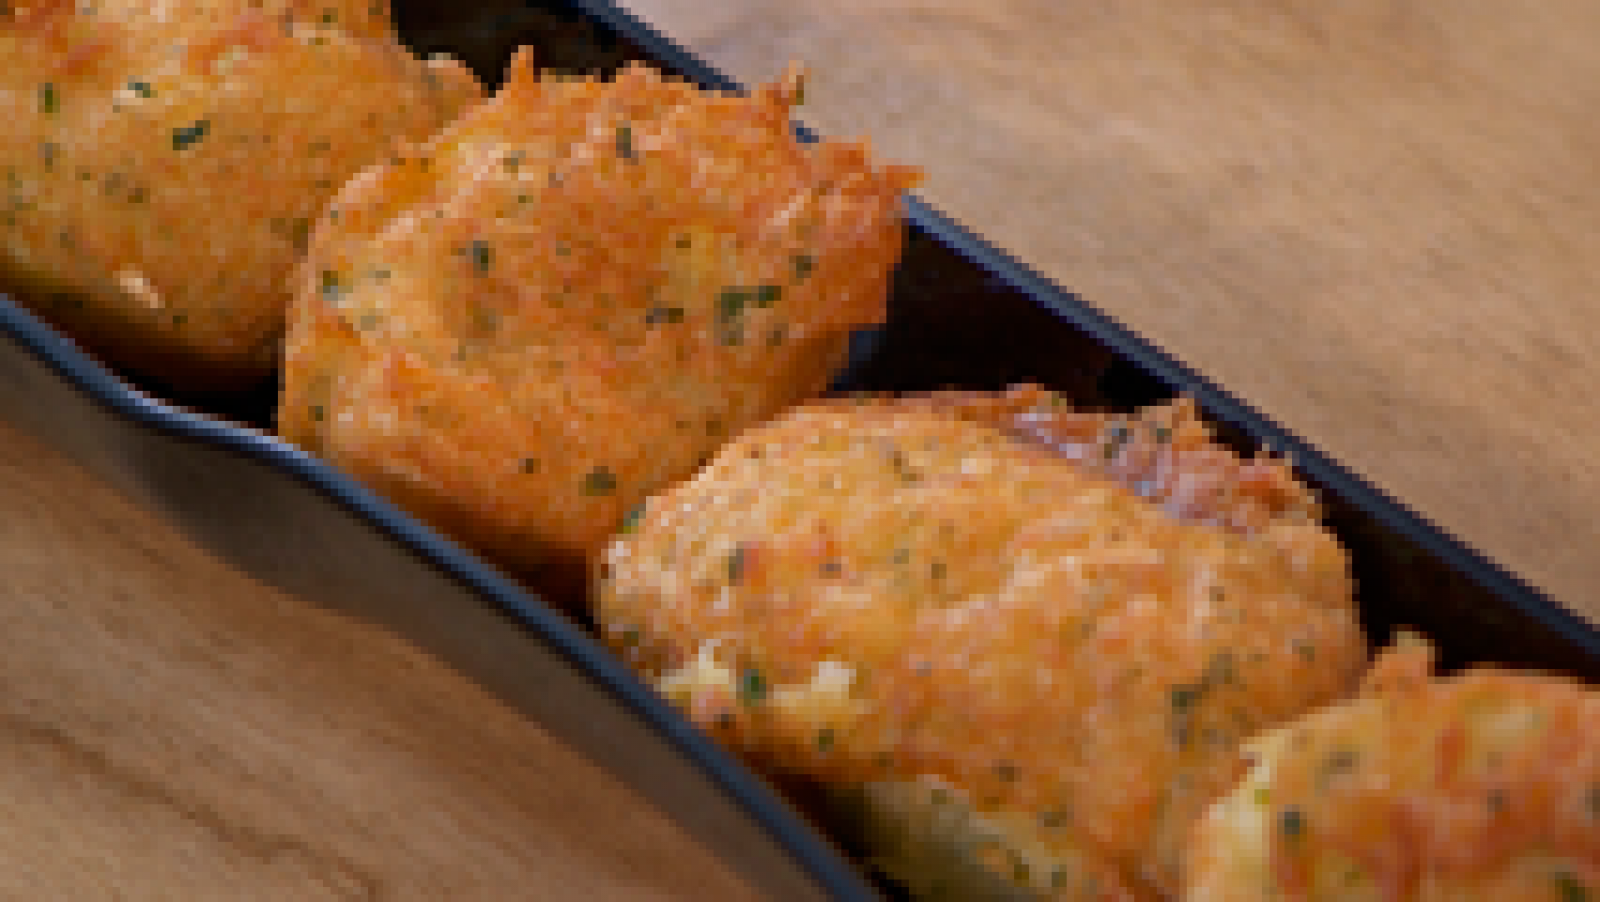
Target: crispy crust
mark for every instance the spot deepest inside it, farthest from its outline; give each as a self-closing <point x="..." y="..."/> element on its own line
<point x="163" y="164"/>
<point x="1483" y="787"/>
<point x="879" y="590"/>
<point x="571" y="297"/>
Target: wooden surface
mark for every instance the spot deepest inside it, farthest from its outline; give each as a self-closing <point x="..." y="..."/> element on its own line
<point x="1375" y="220"/>
<point x="170" y="729"/>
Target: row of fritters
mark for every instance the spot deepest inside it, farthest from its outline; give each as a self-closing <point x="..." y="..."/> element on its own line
<point x="1005" y="633"/>
<point x="1030" y="652"/>
<point x="515" y="316"/>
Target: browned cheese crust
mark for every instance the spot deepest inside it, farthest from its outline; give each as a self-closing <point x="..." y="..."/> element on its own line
<point x="898" y="590"/>
<point x="571" y="297"/>
<point x="163" y="163"/>
<point x="1483" y="787"/>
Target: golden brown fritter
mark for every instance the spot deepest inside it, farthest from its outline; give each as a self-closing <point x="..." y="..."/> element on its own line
<point x="572" y="296"/>
<point x="1482" y="787"/>
<point x="163" y="164"/>
<point x="899" y="596"/>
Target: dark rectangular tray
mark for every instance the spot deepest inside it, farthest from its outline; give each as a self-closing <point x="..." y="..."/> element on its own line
<point x="962" y="314"/>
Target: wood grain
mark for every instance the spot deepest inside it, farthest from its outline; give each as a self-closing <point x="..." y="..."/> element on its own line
<point x="1378" y="221"/>
<point x="170" y="729"/>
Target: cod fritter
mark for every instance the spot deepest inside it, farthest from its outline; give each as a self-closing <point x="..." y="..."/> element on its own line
<point x="572" y="296"/>
<point x="1482" y="787"/>
<point x="163" y="165"/>
<point x="961" y="609"/>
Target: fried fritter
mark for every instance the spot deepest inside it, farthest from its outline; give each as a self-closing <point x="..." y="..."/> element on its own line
<point x="572" y="296"/>
<point x="1482" y="787"/>
<point x="991" y="637"/>
<point x="163" y="165"/>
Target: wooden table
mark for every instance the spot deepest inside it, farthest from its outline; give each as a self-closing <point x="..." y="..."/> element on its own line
<point x="1372" y="219"/>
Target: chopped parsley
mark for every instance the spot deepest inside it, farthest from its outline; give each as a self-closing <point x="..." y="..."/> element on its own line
<point x="482" y="256"/>
<point x="332" y="288"/>
<point x="731" y="303"/>
<point x="824" y="739"/>
<point x="49" y="100"/>
<point x="630" y="523"/>
<point x="1571" y="888"/>
<point x="599" y="481"/>
<point x="189" y="135"/>
<point x="1120" y="435"/>
<point x="738" y="563"/>
<point x="625" y="142"/>
<point x="317" y="412"/>
<point x="1291" y="823"/>
<point x="141" y="89"/>
<point x="752" y="687"/>
<point x="657" y="315"/>
<point x="767" y="295"/>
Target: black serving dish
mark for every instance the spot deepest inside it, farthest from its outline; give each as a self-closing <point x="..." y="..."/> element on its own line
<point x="962" y="314"/>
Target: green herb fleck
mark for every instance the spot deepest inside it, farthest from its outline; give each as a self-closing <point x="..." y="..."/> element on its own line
<point x="824" y="739"/>
<point x="482" y="256"/>
<point x="189" y="135"/>
<point x="1019" y="872"/>
<point x="1292" y="823"/>
<point x="1306" y="651"/>
<point x="1263" y="795"/>
<point x="630" y="523"/>
<point x="767" y="295"/>
<point x="655" y="316"/>
<point x="625" y="142"/>
<point x="1571" y="889"/>
<point x="630" y="637"/>
<point x="738" y="563"/>
<point x="317" y="412"/>
<point x="49" y="100"/>
<point x="1120" y="434"/>
<point x="731" y="303"/>
<point x="599" y="481"/>
<point x="141" y="89"/>
<point x="332" y="289"/>
<point x="752" y="687"/>
<point x="329" y="17"/>
<point x="1163" y="434"/>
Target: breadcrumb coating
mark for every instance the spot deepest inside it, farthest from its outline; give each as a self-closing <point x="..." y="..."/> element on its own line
<point x="874" y="592"/>
<point x="573" y="296"/>
<point x="1482" y="787"/>
<point x="163" y="163"/>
